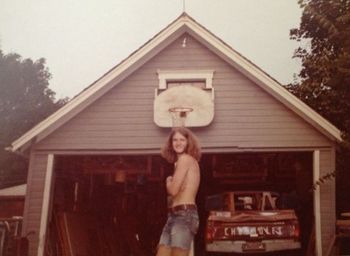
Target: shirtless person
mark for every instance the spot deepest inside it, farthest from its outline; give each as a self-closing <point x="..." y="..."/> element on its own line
<point x="183" y="150"/>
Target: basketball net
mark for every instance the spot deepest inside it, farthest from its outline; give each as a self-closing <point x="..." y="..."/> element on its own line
<point x="179" y="115"/>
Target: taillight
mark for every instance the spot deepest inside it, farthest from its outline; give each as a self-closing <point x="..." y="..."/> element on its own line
<point x="296" y="230"/>
<point x="209" y="233"/>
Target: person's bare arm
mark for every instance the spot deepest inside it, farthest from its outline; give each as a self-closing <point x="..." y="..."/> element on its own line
<point x="173" y="183"/>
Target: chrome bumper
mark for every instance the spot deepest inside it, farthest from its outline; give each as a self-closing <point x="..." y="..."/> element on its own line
<point x="237" y="246"/>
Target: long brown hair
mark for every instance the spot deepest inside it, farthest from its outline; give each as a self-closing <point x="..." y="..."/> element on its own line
<point x="193" y="148"/>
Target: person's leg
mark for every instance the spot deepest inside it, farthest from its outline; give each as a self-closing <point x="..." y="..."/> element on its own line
<point x="164" y="245"/>
<point x="163" y="250"/>
<point x="182" y="233"/>
<point x="181" y="239"/>
<point x="179" y="252"/>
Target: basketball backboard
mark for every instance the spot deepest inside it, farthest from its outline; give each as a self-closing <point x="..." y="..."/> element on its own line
<point x="184" y="105"/>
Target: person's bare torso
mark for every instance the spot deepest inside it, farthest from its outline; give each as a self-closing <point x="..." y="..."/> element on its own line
<point x="188" y="190"/>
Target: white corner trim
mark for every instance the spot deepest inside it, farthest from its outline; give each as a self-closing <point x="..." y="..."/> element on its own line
<point x="45" y="205"/>
<point x="182" y="74"/>
<point x="317" y="203"/>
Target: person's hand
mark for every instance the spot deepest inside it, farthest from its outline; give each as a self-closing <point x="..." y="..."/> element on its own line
<point x="169" y="179"/>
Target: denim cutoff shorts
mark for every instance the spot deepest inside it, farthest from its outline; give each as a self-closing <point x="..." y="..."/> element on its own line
<point x="180" y="228"/>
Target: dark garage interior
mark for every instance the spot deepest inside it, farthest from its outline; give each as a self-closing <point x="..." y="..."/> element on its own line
<point x="116" y="204"/>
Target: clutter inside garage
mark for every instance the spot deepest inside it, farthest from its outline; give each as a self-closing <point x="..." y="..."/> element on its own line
<point x="116" y="204"/>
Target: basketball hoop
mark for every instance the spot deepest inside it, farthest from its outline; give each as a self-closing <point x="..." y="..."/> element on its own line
<point x="183" y="105"/>
<point x="178" y="115"/>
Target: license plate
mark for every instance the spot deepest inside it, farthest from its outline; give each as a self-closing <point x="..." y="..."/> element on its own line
<point x="253" y="246"/>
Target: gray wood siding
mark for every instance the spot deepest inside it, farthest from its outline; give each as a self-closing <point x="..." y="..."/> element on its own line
<point x="34" y="199"/>
<point x="327" y="190"/>
<point x="245" y="115"/>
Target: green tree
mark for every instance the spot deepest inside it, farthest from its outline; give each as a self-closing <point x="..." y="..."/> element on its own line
<point x="25" y="100"/>
<point x="325" y="76"/>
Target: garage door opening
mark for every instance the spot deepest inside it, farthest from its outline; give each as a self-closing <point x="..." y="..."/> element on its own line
<point x="116" y="205"/>
<point x="288" y="174"/>
<point x="107" y="205"/>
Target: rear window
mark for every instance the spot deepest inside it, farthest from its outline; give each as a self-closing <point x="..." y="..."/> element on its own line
<point x="238" y="201"/>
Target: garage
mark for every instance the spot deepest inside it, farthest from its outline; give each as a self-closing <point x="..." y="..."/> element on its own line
<point x="116" y="205"/>
<point x="94" y="165"/>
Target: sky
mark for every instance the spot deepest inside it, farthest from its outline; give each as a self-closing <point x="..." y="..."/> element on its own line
<point x="83" y="39"/>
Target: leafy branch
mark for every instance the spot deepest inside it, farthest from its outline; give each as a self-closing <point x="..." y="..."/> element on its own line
<point x="323" y="179"/>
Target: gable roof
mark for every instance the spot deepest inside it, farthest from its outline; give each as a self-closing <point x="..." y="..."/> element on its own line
<point x="183" y="24"/>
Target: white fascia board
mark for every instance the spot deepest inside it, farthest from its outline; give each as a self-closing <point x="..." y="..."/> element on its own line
<point x="268" y="84"/>
<point x="85" y="95"/>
